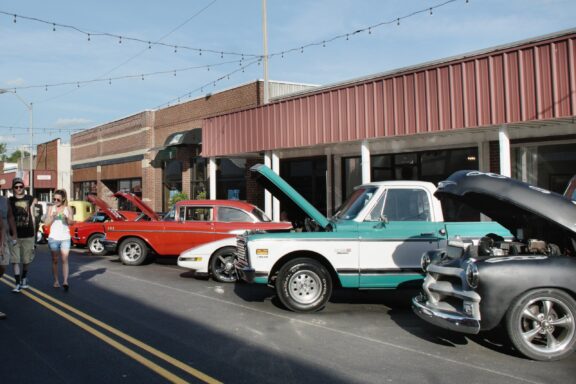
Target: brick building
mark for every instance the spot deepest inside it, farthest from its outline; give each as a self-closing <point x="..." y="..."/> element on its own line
<point x="155" y="154"/>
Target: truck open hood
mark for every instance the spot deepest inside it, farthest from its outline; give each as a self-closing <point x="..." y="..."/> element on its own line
<point x="113" y="214"/>
<point x="139" y="203"/>
<point x="538" y="213"/>
<point x="281" y="189"/>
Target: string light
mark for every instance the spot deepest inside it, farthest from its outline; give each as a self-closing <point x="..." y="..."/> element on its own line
<point x="120" y="38"/>
<point x="395" y="20"/>
<point x="213" y="83"/>
<point x="82" y="82"/>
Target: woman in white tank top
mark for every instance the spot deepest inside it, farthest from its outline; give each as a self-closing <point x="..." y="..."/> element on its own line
<point x="59" y="218"/>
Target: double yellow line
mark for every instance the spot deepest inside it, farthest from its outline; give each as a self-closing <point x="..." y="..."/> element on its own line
<point x="45" y="299"/>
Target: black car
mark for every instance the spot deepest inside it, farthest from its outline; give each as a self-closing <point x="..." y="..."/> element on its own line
<point x="528" y="284"/>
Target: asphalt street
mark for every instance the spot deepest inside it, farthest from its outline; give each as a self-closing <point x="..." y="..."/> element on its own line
<point x="157" y="323"/>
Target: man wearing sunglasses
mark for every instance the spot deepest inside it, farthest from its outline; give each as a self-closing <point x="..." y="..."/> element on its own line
<point x="23" y="252"/>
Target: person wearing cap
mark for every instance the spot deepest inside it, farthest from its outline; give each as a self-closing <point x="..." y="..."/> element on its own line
<point x="7" y="225"/>
<point x="23" y="251"/>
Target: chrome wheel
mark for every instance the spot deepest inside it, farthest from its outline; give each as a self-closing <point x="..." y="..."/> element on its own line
<point x="305" y="287"/>
<point x="95" y="245"/>
<point x="133" y="251"/>
<point x="542" y="324"/>
<point x="546" y="325"/>
<point x="222" y="265"/>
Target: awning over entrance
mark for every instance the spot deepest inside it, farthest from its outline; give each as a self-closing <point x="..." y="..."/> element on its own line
<point x="175" y="140"/>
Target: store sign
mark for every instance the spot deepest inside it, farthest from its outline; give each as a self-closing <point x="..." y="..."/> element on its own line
<point x="44" y="177"/>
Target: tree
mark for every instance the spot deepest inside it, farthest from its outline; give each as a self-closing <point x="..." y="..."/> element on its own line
<point x="3" y="151"/>
<point x="16" y="156"/>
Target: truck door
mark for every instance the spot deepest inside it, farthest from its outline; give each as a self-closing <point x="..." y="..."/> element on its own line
<point x="394" y="236"/>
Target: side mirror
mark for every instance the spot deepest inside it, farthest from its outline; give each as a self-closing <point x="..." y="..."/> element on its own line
<point x="384" y="219"/>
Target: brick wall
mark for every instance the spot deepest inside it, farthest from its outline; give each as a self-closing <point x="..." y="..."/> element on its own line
<point x="254" y="192"/>
<point x="147" y="130"/>
<point x="47" y="156"/>
<point x="115" y="138"/>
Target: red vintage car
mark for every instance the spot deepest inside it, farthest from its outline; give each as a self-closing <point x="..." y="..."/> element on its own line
<point x="188" y="224"/>
<point x="88" y="233"/>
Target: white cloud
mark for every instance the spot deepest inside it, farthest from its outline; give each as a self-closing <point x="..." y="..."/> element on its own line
<point x="7" y="139"/>
<point x="71" y="122"/>
<point x="15" y="82"/>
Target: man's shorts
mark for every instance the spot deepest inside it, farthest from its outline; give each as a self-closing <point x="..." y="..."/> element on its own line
<point x="23" y="251"/>
<point x="56" y="245"/>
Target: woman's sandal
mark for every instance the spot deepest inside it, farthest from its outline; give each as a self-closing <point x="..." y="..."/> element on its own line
<point x="65" y="287"/>
<point x="56" y="285"/>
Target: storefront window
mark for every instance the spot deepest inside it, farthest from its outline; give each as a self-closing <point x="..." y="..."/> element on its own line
<point x="547" y="166"/>
<point x="131" y="186"/>
<point x="82" y="189"/>
<point x="231" y="176"/>
<point x="432" y="166"/>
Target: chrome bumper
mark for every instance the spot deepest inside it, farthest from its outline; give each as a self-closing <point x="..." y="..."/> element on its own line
<point x="453" y="321"/>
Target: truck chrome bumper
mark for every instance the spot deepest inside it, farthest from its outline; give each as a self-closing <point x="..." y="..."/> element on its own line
<point x="453" y="321"/>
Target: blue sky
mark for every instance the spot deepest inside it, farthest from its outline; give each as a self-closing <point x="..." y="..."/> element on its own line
<point x="33" y="54"/>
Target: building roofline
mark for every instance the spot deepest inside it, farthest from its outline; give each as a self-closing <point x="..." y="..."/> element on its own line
<point x="427" y="64"/>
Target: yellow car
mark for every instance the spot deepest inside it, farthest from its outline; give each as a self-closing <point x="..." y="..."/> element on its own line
<point x="82" y="209"/>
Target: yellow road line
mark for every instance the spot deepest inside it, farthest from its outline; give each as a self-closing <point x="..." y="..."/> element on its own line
<point x="153" y="351"/>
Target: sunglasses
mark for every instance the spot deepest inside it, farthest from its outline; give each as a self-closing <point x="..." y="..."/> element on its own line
<point x="18" y="187"/>
<point x="57" y="200"/>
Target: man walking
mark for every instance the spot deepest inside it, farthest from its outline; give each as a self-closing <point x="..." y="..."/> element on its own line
<point x="23" y="253"/>
<point x="7" y="225"/>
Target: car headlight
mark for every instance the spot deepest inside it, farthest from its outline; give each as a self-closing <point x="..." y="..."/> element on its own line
<point x="425" y="261"/>
<point x="472" y="275"/>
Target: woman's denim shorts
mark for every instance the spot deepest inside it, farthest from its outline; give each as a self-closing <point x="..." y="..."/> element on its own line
<point x="56" y="245"/>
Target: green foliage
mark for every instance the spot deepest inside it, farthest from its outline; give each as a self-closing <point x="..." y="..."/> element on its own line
<point x="178" y="197"/>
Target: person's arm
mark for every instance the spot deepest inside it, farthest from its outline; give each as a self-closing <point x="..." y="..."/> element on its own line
<point x="12" y="223"/>
<point x="49" y="216"/>
<point x="2" y="234"/>
<point x="32" y="213"/>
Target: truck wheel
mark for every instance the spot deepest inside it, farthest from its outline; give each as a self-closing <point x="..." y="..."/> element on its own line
<point x="542" y="324"/>
<point x="222" y="265"/>
<point x="304" y="285"/>
<point x="95" y="244"/>
<point x="133" y="251"/>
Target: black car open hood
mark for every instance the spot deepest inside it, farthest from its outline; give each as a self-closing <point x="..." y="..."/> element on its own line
<point x="525" y="210"/>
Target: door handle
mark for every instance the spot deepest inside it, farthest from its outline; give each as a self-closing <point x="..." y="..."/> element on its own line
<point x="428" y="234"/>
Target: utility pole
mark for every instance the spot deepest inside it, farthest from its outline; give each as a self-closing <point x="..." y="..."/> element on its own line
<point x="265" y="55"/>
<point x="29" y="107"/>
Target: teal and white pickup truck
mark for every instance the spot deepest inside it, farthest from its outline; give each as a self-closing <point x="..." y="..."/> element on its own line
<point x="374" y="241"/>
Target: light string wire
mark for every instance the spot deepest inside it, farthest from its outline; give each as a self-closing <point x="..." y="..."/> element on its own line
<point x="243" y="57"/>
<point x="188" y="94"/>
<point x="124" y="77"/>
<point x="120" y="38"/>
<point x="368" y="29"/>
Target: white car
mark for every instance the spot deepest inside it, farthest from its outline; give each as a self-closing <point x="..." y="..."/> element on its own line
<point x="215" y="258"/>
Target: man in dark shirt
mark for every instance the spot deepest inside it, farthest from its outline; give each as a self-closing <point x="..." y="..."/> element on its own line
<point x="23" y="251"/>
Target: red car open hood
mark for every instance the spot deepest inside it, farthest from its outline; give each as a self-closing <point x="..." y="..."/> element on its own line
<point x="139" y="203"/>
<point x="112" y="213"/>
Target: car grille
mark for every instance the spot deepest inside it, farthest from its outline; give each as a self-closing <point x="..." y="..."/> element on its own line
<point x="241" y="251"/>
<point x="446" y="289"/>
